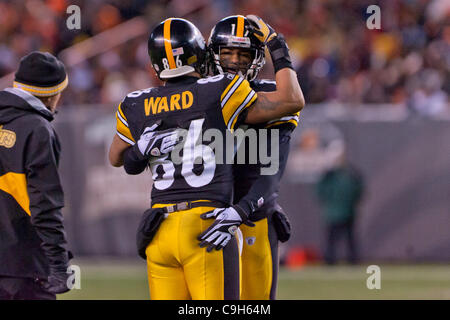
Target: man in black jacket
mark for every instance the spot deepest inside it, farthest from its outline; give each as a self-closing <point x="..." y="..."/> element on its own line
<point x="33" y="253"/>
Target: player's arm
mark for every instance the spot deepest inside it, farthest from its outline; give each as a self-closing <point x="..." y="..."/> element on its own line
<point x="122" y="140"/>
<point x="151" y="143"/>
<point x="288" y="97"/>
<point x="135" y="158"/>
<point x="116" y="151"/>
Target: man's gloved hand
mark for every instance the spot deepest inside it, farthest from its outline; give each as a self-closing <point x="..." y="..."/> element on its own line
<point x="277" y="46"/>
<point x="156" y="143"/>
<point x="261" y="30"/>
<point x="57" y="280"/>
<point x="221" y="231"/>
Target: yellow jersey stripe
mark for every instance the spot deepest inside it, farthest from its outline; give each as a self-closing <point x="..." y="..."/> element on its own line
<point x="236" y="96"/>
<point x="227" y="89"/>
<point x="247" y="102"/>
<point x="168" y="45"/>
<point x="124" y="131"/>
<point x="124" y="138"/>
<point x="15" y="184"/>
<point x="294" y="122"/>
<point x="294" y="116"/>
<point x="240" y="26"/>
<point x="231" y="92"/>
<point x="122" y="114"/>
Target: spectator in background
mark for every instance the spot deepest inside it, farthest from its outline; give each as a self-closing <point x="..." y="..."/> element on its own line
<point x="339" y="191"/>
<point x="336" y="57"/>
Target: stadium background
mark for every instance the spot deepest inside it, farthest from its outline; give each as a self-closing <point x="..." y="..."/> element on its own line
<point x="382" y="95"/>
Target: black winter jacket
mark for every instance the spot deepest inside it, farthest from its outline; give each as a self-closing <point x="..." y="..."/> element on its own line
<point x="32" y="236"/>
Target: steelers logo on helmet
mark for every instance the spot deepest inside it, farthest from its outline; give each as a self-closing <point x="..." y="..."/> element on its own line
<point x="234" y="32"/>
<point x="176" y="47"/>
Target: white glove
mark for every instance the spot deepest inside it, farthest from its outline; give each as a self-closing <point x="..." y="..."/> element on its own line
<point x="156" y="143"/>
<point x="222" y="230"/>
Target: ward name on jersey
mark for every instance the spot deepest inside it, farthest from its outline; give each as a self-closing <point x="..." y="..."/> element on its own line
<point x="196" y="105"/>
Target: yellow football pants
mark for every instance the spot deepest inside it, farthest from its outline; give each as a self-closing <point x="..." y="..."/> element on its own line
<point x="178" y="269"/>
<point x="259" y="261"/>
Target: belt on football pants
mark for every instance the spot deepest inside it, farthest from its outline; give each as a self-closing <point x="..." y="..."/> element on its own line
<point x="193" y="204"/>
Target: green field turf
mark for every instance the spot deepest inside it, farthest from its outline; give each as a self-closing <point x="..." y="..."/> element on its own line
<point x="128" y="280"/>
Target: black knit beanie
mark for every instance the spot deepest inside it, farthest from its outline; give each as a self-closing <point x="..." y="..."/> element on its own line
<point x="41" y="74"/>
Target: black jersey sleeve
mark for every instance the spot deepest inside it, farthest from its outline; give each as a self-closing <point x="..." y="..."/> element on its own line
<point x="289" y="121"/>
<point x="123" y="127"/>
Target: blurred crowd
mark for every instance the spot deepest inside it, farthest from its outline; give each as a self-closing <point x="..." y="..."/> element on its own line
<point x="338" y="59"/>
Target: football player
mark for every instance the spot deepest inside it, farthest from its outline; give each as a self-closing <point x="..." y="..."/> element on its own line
<point x="234" y="50"/>
<point x="184" y="190"/>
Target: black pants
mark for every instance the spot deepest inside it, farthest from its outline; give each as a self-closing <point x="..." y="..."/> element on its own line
<point x="22" y="289"/>
<point x="334" y="233"/>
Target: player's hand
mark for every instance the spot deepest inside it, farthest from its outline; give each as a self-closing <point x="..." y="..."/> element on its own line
<point x="222" y="230"/>
<point x="57" y="280"/>
<point x="261" y="30"/>
<point x="156" y="143"/>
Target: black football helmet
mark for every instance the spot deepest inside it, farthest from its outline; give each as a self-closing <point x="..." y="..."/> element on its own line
<point x="176" y="47"/>
<point x="235" y="32"/>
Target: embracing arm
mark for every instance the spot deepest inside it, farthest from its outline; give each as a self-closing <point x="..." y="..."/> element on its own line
<point x="287" y="99"/>
<point x="116" y="150"/>
<point x="122" y="154"/>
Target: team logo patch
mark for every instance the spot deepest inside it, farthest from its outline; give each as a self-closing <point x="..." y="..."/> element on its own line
<point x="260" y="202"/>
<point x="7" y="138"/>
<point x="232" y="230"/>
<point x="250" y="240"/>
<point x="155" y="152"/>
<point x="192" y="59"/>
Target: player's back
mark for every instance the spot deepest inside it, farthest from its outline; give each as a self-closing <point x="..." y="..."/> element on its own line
<point x="196" y="105"/>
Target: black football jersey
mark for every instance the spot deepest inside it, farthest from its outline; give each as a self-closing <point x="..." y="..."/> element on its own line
<point x="246" y="174"/>
<point x="194" y="104"/>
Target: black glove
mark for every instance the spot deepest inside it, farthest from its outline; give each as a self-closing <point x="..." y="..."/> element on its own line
<point x="282" y="224"/>
<point x="57" y="281"/>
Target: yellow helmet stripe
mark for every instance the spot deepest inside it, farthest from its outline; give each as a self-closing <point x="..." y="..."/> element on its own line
<point x="168" y="45"/>
<point x="240" y="26"/>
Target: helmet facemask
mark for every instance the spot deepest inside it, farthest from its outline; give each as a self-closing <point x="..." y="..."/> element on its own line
<point x="220" y="41"/>
<point x="249" y="71"/>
